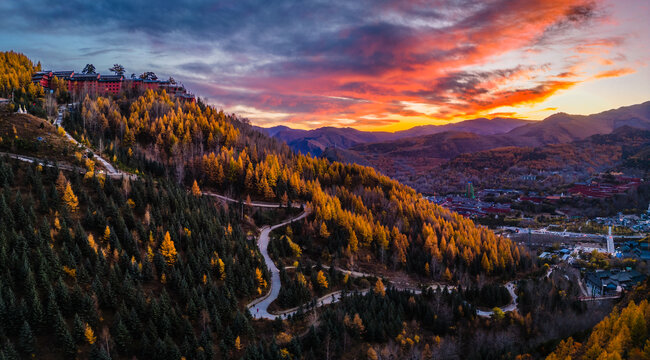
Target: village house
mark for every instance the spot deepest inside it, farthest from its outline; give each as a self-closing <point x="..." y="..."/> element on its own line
<point x="612" y="282"/>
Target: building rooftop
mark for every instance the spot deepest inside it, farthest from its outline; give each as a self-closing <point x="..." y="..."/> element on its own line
<point x="111" y="77"/>
<point x="84" y="77"/>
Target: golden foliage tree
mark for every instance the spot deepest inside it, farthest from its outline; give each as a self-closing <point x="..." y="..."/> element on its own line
<point x="259" y="277"/>
<point x="322" y="280"/>
<point x="621" y="335"/>
<point x="379" y="288"/>
<point x="89" y="334"/>
<point x="196" y="191"/>
<point x="70" y="199"/>
<point x="168" y="250"/>
<point x="107" y="233"/>
<point x="371" y="354"/>
<point x="324" y="233"/>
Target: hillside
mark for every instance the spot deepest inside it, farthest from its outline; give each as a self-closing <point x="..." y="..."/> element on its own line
<point x="409" y="160"/>
<point x="171" y="256"/>
<point x="555" y="164"/>
<point x="143" y="267"/>
<point x="621" y="335"/>
<point x="318" y="140"/>
<point x="560" y="128"/>
<point x="480" y="126"/>
<point x="351" y="222"/>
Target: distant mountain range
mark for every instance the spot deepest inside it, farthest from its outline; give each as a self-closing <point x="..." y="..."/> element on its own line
<point x="317" y="140"/>
<point x="556" y="129"/>
<point x="449" y="140"/>
<point x="420" y="161"/>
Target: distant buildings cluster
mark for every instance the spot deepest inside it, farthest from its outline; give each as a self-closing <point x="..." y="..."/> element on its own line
<point x="612" y="282"/>
<point x="637" y="223"/>
<point x="108" y="84"/>
<point x="599" y="190"/>
<point x="634" y="250"/>
<point x="469" y="206"/>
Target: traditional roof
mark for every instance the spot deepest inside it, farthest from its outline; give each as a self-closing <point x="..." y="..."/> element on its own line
<point x="63" y="74"/>
<point x="84" y="77"/>
<point x="111" y="77"/>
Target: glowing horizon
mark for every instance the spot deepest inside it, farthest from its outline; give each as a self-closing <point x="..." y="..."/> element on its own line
<point x="372" y="65"/>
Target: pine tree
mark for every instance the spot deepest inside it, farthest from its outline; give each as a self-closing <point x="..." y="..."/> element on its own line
<point x="61" y="182"/>
<point x="78" y="329"/>
<point x="26" y="339"/>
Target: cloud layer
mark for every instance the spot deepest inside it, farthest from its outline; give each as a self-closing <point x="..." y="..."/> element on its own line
<point x="358" y="63"/>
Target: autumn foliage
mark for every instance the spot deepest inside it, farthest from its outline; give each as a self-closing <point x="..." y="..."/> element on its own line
<point x="168" y="250"/>
<point x="354" y="208"/>
<point x="621" y="335"/>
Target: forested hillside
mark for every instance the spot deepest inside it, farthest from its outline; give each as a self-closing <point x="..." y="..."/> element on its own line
<point x="115" y="269"/>
<point x="621" y="335"/>
<point x="16" y="79"/>
<point x="148" y="266"/>
<point x="356" y="210"/>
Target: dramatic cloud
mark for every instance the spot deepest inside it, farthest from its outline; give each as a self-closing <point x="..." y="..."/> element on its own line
<point x="361" y="63"/>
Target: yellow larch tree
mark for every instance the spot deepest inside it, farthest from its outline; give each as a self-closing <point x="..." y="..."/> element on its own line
<point x="89" y="334"/>
<point x="168" y="250"/>
<point x="322" y="280"/>
<point x="91" y="242"/>
<point x="107" y="233"/>
<point x="259" y="277"/>
<point x="379" y="288"/>
<point x="324" y="233"/>
<point x="196" y="191"/>
<point x="70" y="199"/>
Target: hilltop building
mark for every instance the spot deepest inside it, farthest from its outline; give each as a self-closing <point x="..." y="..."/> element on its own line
<point x="109" y="84"/>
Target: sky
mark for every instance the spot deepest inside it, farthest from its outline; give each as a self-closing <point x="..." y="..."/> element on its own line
<point x="368" y="64"/>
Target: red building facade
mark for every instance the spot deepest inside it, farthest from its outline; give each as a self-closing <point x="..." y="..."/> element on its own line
<point x="109" y="84"/>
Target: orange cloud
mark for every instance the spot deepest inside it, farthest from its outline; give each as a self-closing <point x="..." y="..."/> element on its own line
<point x="614" y="73"/>
<point x="370" y="73"/>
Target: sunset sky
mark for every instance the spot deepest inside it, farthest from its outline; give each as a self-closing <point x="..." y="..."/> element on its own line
<point x="372" y="65"/>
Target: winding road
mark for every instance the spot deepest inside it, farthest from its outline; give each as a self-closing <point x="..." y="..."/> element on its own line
<point x="260" y="306"/>
<point x="253" y="203"/>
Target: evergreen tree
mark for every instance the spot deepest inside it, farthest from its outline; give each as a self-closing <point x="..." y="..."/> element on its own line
<point x="26" y="342"/>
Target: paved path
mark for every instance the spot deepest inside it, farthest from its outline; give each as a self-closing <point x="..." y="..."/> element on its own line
<point x="253" y="203"/>
<point x="110" y="169"/>
<point x="260" y="306"/>
<point x="30" y="159"/>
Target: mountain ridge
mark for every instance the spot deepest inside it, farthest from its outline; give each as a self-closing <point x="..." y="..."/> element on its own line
<point x="317" y="140"/>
